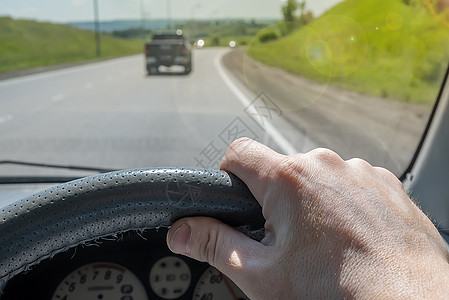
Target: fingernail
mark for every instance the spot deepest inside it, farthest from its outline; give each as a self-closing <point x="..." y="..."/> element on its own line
<point x="180" y="239"/>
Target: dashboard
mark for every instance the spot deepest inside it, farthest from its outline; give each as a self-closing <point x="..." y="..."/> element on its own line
<point x="130" y="266"/>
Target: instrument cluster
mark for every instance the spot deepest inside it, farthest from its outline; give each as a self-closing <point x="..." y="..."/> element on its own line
<point x="129" y="267"/>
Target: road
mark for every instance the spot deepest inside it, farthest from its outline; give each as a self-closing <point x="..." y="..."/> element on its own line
<point x="384" y="132"/>
<point x="112" y="115"/>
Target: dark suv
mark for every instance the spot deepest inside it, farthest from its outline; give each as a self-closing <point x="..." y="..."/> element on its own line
<point x="168" y="49"/>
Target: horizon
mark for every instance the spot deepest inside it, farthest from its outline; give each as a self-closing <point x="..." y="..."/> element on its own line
<point x="139" y="20"/>
<point x="174" y="19"/>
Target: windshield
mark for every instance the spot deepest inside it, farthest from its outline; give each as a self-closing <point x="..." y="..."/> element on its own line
<point x="85" y="84"/>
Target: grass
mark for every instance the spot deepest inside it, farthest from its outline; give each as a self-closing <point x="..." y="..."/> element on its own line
<point x="380" y="47"/>
<point x="223" y="41"/>
<point x="27" y="44"/>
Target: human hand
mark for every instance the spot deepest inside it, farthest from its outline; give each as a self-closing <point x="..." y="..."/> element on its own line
<point x="333" y="228"/>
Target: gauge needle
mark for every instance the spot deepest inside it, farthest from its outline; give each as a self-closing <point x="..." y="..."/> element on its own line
<point x="228" y="284"/>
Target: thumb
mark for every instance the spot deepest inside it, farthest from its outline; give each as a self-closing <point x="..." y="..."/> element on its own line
<point x="209" y="240"/>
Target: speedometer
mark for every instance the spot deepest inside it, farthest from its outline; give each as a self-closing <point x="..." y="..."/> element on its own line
<point x="100" y="280"/>
<point x="213" y="285"/>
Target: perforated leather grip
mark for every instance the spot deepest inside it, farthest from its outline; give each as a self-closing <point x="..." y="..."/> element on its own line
<point x="87" y="209"/>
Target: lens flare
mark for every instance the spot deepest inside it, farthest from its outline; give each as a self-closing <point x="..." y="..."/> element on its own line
<point x="336" y="45"/>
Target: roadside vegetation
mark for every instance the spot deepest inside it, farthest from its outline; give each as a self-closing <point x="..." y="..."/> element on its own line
<point x="28" y="44"/>
<point x="220" y="33"/>
<point x="395" y="49"/>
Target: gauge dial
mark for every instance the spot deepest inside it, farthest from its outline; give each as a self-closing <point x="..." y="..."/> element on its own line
<point x="100" y="280"/>
<point x="214" y="285"/>
<point x="170" y="277"/>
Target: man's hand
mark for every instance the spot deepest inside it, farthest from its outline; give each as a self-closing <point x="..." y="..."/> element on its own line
<point x="333" y="228"/>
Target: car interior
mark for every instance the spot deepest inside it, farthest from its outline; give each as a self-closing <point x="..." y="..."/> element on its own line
<point x="84" y="214"/>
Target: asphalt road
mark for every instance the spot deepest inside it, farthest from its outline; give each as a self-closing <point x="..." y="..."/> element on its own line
<point x="112" y="115"/>
<point x="382" y="131"/>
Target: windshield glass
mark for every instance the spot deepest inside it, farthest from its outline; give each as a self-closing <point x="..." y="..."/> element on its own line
<point x="84" y="84"/>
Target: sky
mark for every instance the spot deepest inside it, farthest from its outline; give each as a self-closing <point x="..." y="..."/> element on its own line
<point x="82" y="10"/>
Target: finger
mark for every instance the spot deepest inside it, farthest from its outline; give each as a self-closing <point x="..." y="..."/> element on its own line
<point x="209" y="240"/>
<point x="251" y="162"/>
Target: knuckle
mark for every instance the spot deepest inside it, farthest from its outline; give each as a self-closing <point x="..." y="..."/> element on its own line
<point x="324" y="155"/>
<point x="234" y="152"/>
<point x="383" y="171"/>
<point x="389" y="177"/>
<point x="292" y="166"/>
<point x="386" y="174"/>
<point x="359" y="163"/>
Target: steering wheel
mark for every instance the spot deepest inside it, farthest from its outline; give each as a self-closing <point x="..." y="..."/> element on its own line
<point x="78" y="212"/>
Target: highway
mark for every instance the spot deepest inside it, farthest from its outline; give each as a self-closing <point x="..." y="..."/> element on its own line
<point x="112" y="115"/>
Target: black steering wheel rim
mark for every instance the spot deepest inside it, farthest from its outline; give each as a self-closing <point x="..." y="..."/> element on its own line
<point x="75" y="213"/>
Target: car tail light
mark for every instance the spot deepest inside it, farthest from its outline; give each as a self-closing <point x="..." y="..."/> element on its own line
<point x="147" y="49"/>
<point x="184" y="49"/>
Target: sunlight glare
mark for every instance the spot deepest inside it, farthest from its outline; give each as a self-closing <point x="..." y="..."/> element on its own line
<point x="235" y="260"/>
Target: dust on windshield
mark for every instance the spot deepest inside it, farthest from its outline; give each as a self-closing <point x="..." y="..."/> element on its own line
<point x="83" y="84"/>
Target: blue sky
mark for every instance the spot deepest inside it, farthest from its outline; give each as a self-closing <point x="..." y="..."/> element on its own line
<point x="80" y="10"/>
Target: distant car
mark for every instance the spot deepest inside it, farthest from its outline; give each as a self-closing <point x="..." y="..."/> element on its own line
<point x="168" y="49"/>
<point x="199" y="44"/>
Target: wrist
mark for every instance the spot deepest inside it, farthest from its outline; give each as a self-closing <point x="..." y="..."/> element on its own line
<point x="397" y="276"/>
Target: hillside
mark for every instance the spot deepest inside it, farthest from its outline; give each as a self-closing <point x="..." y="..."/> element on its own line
<point x="391" y="48"/>
<point x="27" y="44"/>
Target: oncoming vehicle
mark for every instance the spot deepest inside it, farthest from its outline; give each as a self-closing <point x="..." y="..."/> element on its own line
<point x="168" y="49"/>
<point x="98" y="160"/>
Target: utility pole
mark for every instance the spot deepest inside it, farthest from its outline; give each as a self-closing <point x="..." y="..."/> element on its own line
<point x="97" y="29"/>
<point x="169" y="14"/>
<point x="142" y="14"/>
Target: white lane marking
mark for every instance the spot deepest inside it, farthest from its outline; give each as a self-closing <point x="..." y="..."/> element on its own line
<point x="57" y="97"/>
<point x="6" y="118"/>
<point x="88" y="86"/>
<point x="69" y="70"/>
<point x="282" y="142"/>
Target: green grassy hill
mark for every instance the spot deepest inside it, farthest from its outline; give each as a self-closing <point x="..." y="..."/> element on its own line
<point x="392" y="48"/>
<point x="26" y="44"/>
